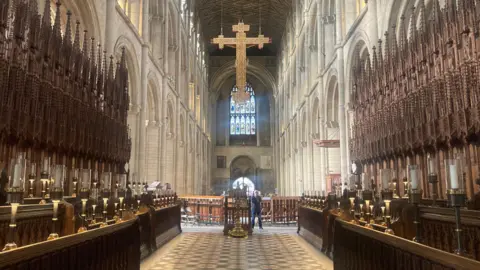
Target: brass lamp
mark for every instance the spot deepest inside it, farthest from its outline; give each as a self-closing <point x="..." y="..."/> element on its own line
<point x="106" y="193"/>
<point x="121" y="193"/>
<point x="56" y="194"/>
<point x="367" y="196"/>
<point x="387" y="196"/>
<point x="94" y="194"/>
<point x="414" y="175"/>
<point x="454" y="172"/>
<point x="15" y="190"/>
<point x="85" y="182"/>
<point x="433" y="177"/>
<point x="75" y="181"/>
<point x="45" y="177"/>
<point x="31" y="179"/>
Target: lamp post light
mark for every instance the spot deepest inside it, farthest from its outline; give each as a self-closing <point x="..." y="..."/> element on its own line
<point x="85" y="183"/>
<point x="106" y="193"/>
<point x="121" y="192"/>
<point x="15" y="190"/>
<point x="414" y="175"/>
<point x="387" y="196"/>
<point x="454" y="172"/>
<point x="56" y="194"/>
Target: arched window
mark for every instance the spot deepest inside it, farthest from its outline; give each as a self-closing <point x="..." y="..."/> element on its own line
<point x="243" y="116"/>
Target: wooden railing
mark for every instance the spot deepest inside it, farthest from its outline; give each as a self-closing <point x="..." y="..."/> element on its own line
<point x="158" y="226"/>
<point x="359" y="248"/>
<point x="210" y="209"/>
<point x="284" y="209"/>
<point x="207" y="209"/>
<point x="112" y="247"/>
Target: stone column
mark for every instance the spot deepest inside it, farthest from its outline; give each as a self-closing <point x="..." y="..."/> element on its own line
<point x="372" y="19"/>
<point x="341" y="117"/>
<point x="257" y="121"/>
<point x="143" y="95"/>
<point x="110" y="32"/>
<point x="161" y="128"/>
<point x="166" y="29"/>
<point x="321" y="44"/>
<point x="322" y="156"/>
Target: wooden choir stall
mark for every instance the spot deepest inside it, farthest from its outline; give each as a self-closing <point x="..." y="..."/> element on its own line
<point x="66" y="198"/>
<point x="414" y="199"/>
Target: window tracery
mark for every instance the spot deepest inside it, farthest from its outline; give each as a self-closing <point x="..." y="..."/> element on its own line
<point x="243" y="116"/>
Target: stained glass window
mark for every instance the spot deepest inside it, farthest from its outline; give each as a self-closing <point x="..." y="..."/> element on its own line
<point x="242" y="116"/>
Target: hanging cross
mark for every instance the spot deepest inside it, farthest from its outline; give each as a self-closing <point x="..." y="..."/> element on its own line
<point x="241" y="42"/>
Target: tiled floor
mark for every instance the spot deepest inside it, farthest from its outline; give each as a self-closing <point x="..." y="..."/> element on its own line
<point x="208" y="248"/>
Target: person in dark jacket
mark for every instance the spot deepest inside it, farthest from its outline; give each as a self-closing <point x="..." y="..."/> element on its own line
<point x="257" y="208"/>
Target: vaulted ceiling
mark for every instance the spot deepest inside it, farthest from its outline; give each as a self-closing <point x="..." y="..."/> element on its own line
<point x="274" y="16"/>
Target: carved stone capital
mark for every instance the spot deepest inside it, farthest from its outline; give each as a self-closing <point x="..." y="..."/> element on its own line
<point x="170" y="135"/>
<point x="181" y="143"/>
<point x="134" y="108"/>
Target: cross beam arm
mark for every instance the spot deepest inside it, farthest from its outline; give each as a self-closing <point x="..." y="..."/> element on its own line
<point x="221" y="41"/>
<point x="258" y="41"/>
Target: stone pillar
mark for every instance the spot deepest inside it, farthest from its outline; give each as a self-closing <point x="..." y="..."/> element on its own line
<point x="372" y="19"/>
<point x="257" y="121"/>
<point x="166" y="29"/>
<point x="318" y="172"/>
<point x="321" y="44"/>
<point x="143" y="95"/>
<point x="161" y="128"/>
<point x="322" y="157"/>
<point x="338" y="22"/>
<point x="152" y="151"/>
<point x="110" y="32"/>
<point x="341" y="117"/>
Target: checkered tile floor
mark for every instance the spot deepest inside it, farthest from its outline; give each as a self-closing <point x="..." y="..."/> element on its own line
<point x="210" y="249"/>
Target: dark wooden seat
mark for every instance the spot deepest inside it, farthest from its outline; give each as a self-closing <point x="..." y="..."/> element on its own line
<point x="112" y="247"/>
<point x="359" y="248"/>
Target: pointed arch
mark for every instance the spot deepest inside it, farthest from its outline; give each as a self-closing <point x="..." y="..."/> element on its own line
<point x="332" y="102"/>
<point x="132" y="67"/>
<point x="152" y="98"/>
<point x="316" y="118"/>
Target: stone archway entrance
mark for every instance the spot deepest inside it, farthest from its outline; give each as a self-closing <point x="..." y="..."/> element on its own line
<point x="244" y="182"/>
<point x="243" y="168"/>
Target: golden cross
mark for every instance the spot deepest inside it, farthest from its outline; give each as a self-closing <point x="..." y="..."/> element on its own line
<point x="240" y="42"/>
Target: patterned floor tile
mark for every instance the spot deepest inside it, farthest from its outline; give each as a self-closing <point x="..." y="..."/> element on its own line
<point x="210" y="249"/>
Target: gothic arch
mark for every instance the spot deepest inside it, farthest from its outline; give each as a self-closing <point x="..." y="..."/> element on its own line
<point x="254" y="69"/>
<point x="315" y="118"/>
<point x="182" y="128"/>
<point x="332" y="102"/>
<point x="132" y="67"/>
<point x="304" y="135"/>
<point x="85" y="13"/>
<point x="172" y="39"/>
<point x="152" y="98"/>
<point x="170" y="119"/>
<point x="243" y="166"/>
<point x="357" y="55"/>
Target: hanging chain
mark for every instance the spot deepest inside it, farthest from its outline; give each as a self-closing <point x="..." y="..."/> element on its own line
<point x="260" y="18"/>
<point x="221" y="17"/>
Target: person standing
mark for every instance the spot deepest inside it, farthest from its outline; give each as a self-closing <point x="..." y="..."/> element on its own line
<point x="257" y="208"/>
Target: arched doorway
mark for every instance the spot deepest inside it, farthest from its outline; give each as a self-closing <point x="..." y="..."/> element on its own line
<point x="243" y="167"/>
<point x="242" y="182"/>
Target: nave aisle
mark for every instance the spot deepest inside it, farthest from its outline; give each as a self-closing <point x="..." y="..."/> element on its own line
<point x="208" y="248"/>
